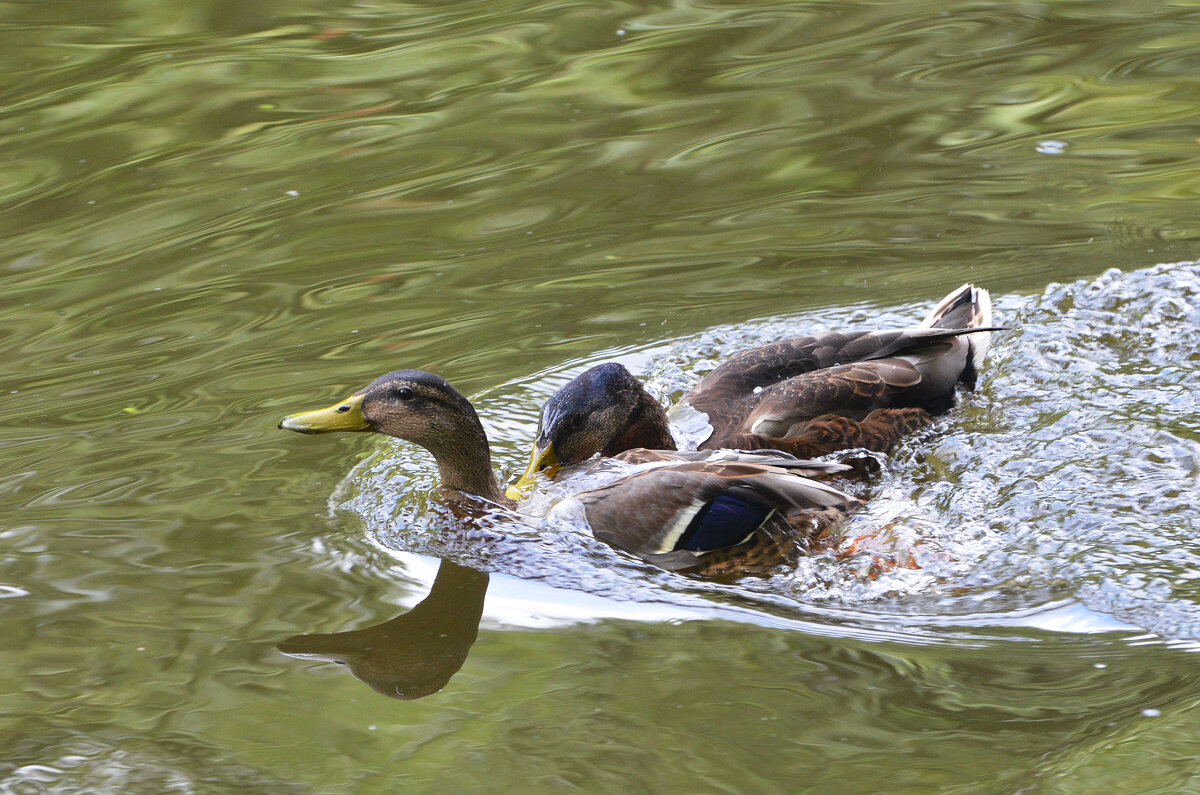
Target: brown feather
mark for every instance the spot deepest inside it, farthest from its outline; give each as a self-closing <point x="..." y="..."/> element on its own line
<point x="645" y="513"/>
<point x="819" y="412"/>
<point x="774" y="458"/>
<point x="807" y="396"/>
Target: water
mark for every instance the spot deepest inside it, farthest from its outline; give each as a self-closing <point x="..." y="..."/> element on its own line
<point x="216" y="213"/>
<point x="1058" y="478"/>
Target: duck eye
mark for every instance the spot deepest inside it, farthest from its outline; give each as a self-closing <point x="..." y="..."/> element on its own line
<point x="404" y="393"/>
<point x="577" y="421"/>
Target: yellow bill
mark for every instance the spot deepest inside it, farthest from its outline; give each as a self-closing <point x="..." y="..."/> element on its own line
<point x="345" y="415"/>
<point x="542" y="461"/>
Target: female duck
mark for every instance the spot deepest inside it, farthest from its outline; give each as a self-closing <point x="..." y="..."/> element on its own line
<point x="807" y="396"/>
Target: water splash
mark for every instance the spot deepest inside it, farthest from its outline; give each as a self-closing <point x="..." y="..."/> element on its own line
<point x="1067" y="478"/>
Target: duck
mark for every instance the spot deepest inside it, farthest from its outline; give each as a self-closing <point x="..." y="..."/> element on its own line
<point x="724" y="513"/>
<point x="808" y="396"/>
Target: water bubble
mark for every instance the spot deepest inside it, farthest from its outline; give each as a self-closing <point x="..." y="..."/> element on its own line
<point x="1065" y="473"/>
<point x="1051" y="147"/>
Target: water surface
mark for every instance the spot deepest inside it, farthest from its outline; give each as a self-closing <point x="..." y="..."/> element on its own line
<point x="216" y="213"/>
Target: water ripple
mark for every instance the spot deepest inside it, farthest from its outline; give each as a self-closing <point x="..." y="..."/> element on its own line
<point x="1069" y="474"/>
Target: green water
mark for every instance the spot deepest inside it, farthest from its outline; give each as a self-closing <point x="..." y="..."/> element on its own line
<point x="214" y="213"/>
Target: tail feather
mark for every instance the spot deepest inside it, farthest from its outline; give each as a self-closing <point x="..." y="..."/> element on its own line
<point x="967" y="307"/>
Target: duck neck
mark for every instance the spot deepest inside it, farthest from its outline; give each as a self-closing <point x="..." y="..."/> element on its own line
<point x="480" y="482"/>
<point x="466" y="466"/>
<point x="647" y="427"/>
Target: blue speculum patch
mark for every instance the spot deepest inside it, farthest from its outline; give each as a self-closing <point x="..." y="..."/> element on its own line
<point x="725" y="521"/>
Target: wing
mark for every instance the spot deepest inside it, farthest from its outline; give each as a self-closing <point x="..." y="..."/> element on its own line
<point x="674" y="515"/>
<point x="851" y="390"/>
<point x="868" y="404"/>
<point x="763" y="367"/>
<point x="769" y="364"/>
<point x="774" y="458"/>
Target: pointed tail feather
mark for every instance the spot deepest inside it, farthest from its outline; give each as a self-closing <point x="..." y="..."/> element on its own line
<point x="967" y="307"/>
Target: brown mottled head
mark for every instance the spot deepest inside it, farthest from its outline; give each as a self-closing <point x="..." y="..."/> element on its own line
<point x="603" y="410"/>
<point x="418" y="407"/>
<point x="589" y="412"/>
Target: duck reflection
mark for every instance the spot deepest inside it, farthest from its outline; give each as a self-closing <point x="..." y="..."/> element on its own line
<point x="415" y="653"/>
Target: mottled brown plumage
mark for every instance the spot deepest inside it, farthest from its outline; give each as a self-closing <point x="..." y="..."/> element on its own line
<point x="807" y="396"/>
<point x="676" y="515"/>
<point x="869" y="404"/>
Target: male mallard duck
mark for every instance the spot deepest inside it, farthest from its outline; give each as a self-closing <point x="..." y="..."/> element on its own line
<point x="807" y="396"/>
<point x="732" y="514"/>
